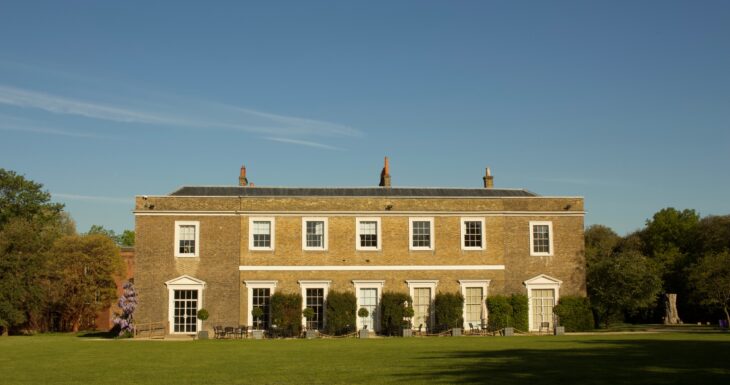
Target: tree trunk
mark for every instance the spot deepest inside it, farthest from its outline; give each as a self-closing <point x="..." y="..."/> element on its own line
<point x="670" y="307"/>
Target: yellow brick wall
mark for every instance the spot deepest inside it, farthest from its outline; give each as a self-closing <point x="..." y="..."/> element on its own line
<point x="224" y="246"/>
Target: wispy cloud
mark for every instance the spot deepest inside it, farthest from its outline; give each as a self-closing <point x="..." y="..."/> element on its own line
<point x="303" y="143"/>
<point x="8" y="123"/>
<point x="176" y="112"/>
<point x="62" y="105"/>
<point x="93" y="198"/>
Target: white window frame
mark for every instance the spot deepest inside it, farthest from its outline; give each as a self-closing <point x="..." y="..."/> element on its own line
<point x="369" y="284"/>
<point x="176" y="249"/>
<point x="250" y="285"/>
<point x="424" y="283"/>
<point x="304" y="285"/>
<point x="469" y="283"/>
<point x="541" y="281"/>
<point x="184" y="282"/>
<point x="463" y="233"/>
<point x="551" y="236"/>
<point x="271" y="220"/>
<point x="378" y="229"/>
<point x="325" y="239"/>
<point x="410" y="233"/>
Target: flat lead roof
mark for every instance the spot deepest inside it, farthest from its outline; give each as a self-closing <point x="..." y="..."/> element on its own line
<point x="228" y="191"/>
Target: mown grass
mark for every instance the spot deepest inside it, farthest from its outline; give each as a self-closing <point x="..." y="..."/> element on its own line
<point x="662" y="358"/>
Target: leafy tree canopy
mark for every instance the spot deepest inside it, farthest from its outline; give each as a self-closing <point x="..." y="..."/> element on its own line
<point x="23" y="198"/>
<point x="626" y="282"/>
<point x="711" y="280"/>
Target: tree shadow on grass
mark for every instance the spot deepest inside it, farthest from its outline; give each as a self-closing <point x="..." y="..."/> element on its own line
<point x="622" y="361"/>
<point x="98" y="334"/>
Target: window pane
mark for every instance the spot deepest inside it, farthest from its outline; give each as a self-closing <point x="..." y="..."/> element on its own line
<point x="315" y="300"/>
<point x="421" y="234"/>
<point x="421" y="304"/>
<point x="261" y="297"/>
<point x="368" y="234"/>
<point x="541" y="239"/>
<point x="473" y="303"/>
<point x="261" y="234"/>
<point x="187" y="239"/>
<point x="315" y="234"/>
<point x="185" y="311"/>
<point x="472" y="234"/>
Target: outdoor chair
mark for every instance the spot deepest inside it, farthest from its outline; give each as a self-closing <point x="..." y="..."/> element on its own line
<point x="545" y="326"/>
<point x="420" y="330"/>
<point x="241" y="332"/>
<point x="229" y="331"/>
<point x="471" y="328"/>
<point x="218" y="332"/>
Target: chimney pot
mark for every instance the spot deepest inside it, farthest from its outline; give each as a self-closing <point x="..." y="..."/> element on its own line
<point x="385" y="174"/>
<point x="242" y="180"/>
<point x="488" y="179"/>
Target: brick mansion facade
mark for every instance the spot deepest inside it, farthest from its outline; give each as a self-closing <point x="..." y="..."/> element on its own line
<point x="228" y="249"/>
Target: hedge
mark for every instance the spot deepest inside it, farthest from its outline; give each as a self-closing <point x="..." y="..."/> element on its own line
<point x="575" y="313"/>
<point x="449" y="310"/>
<point x="391" y="317"/>
<point x="520" y="312"/>
<point x="286" y="313"/>
<point x="340" y="309"/>
<point x="500" y="312"/>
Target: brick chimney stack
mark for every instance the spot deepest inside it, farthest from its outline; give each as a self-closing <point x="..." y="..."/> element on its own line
<point x="242" y="181"/>
<point x="385" y="174"/>
<point x="488" y="179"/>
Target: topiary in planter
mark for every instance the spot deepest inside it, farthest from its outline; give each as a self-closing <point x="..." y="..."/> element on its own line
<point x="257" y="313"/>
<point x="363" y="313"/>
<point x="202" y="316"/>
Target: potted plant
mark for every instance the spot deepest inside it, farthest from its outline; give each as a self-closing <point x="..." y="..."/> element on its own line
<point x="363" y="313"/>
<point x="202" y="316"/>
<point x="257" y="313"/>
<point x="408" y="313"/>
<point x="308" y="314"/>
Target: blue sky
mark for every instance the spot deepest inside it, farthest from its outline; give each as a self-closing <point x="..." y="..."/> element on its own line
<point x="624" y="103"/>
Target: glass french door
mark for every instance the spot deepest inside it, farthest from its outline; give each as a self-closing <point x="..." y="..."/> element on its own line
<point x="421" y="305"/>
<point x="185" y="311"/>
<point x="369" y="300"/>
<point x="315" y="300"/>
<point x="543" y="301"/>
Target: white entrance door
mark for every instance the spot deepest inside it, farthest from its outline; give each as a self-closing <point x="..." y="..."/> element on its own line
<point x="543" y="301"/>
<point x="369" y="300"/>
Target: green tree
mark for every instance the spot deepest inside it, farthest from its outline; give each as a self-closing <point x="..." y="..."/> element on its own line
<point x="126" y="238"/>
<point x="711" y="280"/>
<point x="29" y="223"/>
<point x="601" y="242"/>
<point x="625" y="282"/>
<point x="23" y="247"/>
<point x="23" y="198"/>
<point x="82" y="270"/>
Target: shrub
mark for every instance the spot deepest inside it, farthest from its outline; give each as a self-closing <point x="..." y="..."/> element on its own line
<point x="341" y="307"/>
<point x="203" y="314"/>
<point x="575" y="313"/>
<point x="500" y="312"/>
<point x="285" y="313"/>
<point x="392" y="312"/>
<point x="449" y="310"/>
<point x="520" y="312"/>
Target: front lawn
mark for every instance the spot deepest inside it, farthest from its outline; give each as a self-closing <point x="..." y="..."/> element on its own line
<point x="662" y="358"/>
